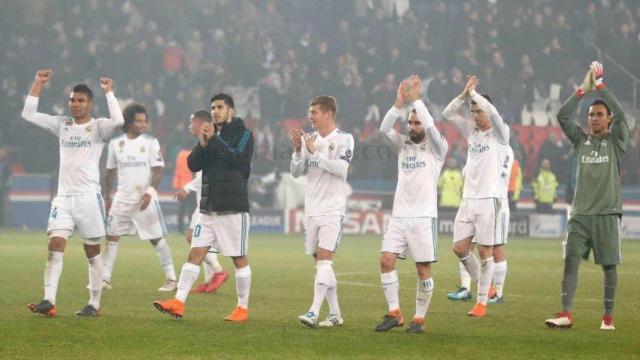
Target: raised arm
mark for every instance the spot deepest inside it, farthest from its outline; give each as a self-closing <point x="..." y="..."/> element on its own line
<point x="392" y="115"/>
<point x="500" y="129"/>
<point x="30" y="111"/>
<point x="619" y="126"/>
<point x="453" y="113"/>
<point x="572" y="131"/>
<point x="437" y="142"/>
<point x="108" y="126"/>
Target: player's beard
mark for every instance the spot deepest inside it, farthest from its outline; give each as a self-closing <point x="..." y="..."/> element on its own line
<point x="416" y="137"/>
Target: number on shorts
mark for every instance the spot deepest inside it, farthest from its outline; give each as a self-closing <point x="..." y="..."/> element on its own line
<point x="196" y="230"/>
<point x="54" y="213"/>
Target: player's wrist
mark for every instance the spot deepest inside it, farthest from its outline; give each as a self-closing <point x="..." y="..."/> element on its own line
<point x="580" y="92"/>
<point x="151" y="191"/>
<point x="600" y="84"/>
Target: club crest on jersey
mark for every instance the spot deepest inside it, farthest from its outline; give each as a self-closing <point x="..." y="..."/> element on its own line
<point x="604" y="143"/>
<point x="332" y="146"/>
<point x="87" y="129"/>
<point x="142" y="149"/>
<point x="68" y="122"/>
<point x="423" y="147"/>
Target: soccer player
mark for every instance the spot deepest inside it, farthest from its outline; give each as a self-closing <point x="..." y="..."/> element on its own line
<point x="594" y="223"/>
<point x="483" y="215"/>
<point x="136" y="158"/>
<point x="214" y="274"/>
<point x="413" y="224"/>
<point x="223" y="154"/>
<point x="325" y="155"/>
<point x="78" y="202"/>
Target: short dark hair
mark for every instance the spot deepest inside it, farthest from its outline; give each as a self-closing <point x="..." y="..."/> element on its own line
<point x="203" y="115"/>
<point x="601" y="102"/>
<point x="228" y="100"/>
<point x="129" y="114"/>
<point x="83" y="88"/>
<point x="326" y="103"/>
<point x="484" y="96"/>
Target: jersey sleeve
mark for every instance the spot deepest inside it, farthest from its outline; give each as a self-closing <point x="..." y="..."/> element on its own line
<point x="298" y="163"/>
<point x="155" y="155"/>
<point x="45" y="121"/>
<point x="112" y="162"/>
<point x="570" y="129"/>
<point x="386" y="128"/>
<point x="453" y="113"/>
<point x="107" y="126"/>
<point x="437" y="143"/>
<point x="195" y="183"/>
<point x="340" y="165"/>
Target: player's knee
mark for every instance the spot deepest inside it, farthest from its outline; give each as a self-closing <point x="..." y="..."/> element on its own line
<point x="240" y="261"/>
<point x="57" y="243"/>
<point x="387" y="262"/>
<point x="91" y="247"/>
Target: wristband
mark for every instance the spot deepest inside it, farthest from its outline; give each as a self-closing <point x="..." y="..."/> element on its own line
<point x="152" y="191"/>
<point x="600" y="84"/>
<point x="579" y="92"/>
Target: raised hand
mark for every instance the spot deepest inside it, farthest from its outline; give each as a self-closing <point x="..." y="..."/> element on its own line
<point x="43" y="76"/>
<point x="309" y="141"/>
<point x="589" y="81"/>
<point x="296" y="139"/>
<point x="472" y="83"/>
<point x="401" y="98"/>
<point x="106" y="84"/>
<point x="415" y="88"/>
<point x="598" y="72"/>
<point x="206" y="132"/>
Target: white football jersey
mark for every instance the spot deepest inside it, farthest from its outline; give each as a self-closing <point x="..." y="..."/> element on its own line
<point x="133" y="158"/>
<point x="419" y="166"/>
<point x="195" y="185"/>
<point x="489" y="156"/>
<point x="80" y="145"/>
<point x="327" y="188"/>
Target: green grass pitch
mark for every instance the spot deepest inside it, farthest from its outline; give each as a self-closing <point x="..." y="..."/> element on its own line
<point x="130" y="327"/>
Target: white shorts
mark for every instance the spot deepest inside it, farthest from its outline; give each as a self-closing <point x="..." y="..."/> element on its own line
<point x="417" y="235"/>
<point x="323" y="232"/>
<point x="84" y="212"/>
<point x="485" y="219"/>
<point x="228" y="233"/>
<point x="194" y="218"/>
<point x="126" y="219"/>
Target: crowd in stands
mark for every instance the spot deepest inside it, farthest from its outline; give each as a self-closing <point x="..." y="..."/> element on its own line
<point x="275" y="55"/>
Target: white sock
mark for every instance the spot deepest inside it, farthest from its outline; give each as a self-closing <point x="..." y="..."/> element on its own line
<point x="95" y="281"/>
<point x="243" y="286"/>
<point x="52" y="272"/>
<point x="208" y="270"/>
<point x="321" y="284"/>
<point x="390" y="287"/>
<point x="332" y="295"/>
<point x="424" y="291"/>
<point x="486" y="275"/>
<point x="188" y="276"/>
<point x="471" y="264"/>
<point x="465" y="278"/>
<point x="164" y="254"/>
<point x="212" y="260"/>
<point x="109" y="259"/>
<point x="499" y="276"/>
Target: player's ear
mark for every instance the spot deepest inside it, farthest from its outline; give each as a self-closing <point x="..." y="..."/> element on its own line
<point x="232" y="111"/>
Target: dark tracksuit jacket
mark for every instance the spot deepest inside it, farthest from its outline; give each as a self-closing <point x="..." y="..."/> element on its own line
<point x="226" y="165"/>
